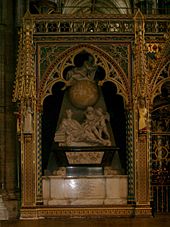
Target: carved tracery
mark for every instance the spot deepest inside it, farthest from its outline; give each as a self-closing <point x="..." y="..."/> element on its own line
<point x="113" y="72"/>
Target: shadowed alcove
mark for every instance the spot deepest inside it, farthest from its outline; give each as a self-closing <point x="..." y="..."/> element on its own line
<point x="51" y="111"/>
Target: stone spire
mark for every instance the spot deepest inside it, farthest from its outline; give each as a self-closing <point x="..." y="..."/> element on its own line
<point x="140" y="78"/>
<point x="25" y="86"/>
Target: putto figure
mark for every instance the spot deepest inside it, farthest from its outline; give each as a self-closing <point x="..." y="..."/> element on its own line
<point x="85" y="72"/>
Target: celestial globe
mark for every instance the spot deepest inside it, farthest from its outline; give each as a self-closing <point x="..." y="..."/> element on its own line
<point x="83" y="93"/>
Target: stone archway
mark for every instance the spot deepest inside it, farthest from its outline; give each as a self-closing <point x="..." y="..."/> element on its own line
<point x="111" y="75"/>
<point x="114" y="72"/>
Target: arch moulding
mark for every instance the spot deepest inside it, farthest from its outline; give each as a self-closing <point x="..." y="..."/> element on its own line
<point x="114" y="73"/>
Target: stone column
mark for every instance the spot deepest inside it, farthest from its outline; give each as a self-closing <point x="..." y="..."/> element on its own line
<point x="2" y="95"/>
<point x="25" y="95"/>
<point x="8" y="157"/>
<point x="142" y="165"/>
<point x="28" y="171"/>
<point x="3" y="210"/>
<point x="21" y="8"/>
<point x="141" y="119"/>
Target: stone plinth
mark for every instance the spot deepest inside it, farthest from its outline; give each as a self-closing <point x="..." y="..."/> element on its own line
<point x="91" y="190"/>
<point x="3" y="210"/>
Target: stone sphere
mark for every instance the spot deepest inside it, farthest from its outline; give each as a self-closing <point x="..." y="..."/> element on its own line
<point x="83" y="93"/>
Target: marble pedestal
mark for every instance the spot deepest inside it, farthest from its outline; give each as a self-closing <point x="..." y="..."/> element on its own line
<point x="3" y="210"/>
<point x="85" y="190"/>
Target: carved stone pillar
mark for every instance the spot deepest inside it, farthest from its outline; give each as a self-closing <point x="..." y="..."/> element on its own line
<point x="2" y="98"/>
<point x="8" y="174"/>
<point x="142" y="168"/>
<point x="28" y="171"/>
<point x="141" y="121"/>
<point x="25" y="94"/>
<point x="142" y="171"/>
<point x="3" y="210"/>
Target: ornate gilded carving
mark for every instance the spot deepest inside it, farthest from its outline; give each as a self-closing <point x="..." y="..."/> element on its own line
<point x="28" y="172"/>
<point x="120" y="54"/>
<point x="65" y="40"/>
<point x="48" y="55"/>
<point x="128" y="211"/>
<point x="142" y="172"/>
<point x="153" y="54"/>
<point x="141" y="114"/>
<point x="160" y="144"/>
<point x="143" y="211"/>
<point x="87" y="24"/>
<point x="140" y="78"/>
<point x="53" y="60"/>
<point x="162" y="77"/>
<point x="25" y="94"/>
<point x="114" y="72"/>
<point x="160" y="154"/>
<point x="161" y="70"/>
<point x="25" y="84"/>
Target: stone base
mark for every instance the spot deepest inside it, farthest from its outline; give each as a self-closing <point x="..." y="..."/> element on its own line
<point x="85" y="212"/>
<point x="3" y="210"/>
<point x="91" y="190"/>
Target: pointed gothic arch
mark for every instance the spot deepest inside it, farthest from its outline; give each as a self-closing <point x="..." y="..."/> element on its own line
<point x="161" y="73"/>
<point x="114" y="72"/>
<point x="115" y="76"/>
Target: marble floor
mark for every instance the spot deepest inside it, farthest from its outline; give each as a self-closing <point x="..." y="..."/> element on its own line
<point x="158" y="221"/>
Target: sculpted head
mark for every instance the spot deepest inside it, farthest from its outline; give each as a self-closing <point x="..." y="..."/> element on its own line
<point x="69" y="113"/>
<point x="89" y="109"/>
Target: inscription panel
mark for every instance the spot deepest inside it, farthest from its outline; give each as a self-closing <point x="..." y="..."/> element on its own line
<point x="84" y="188"/>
